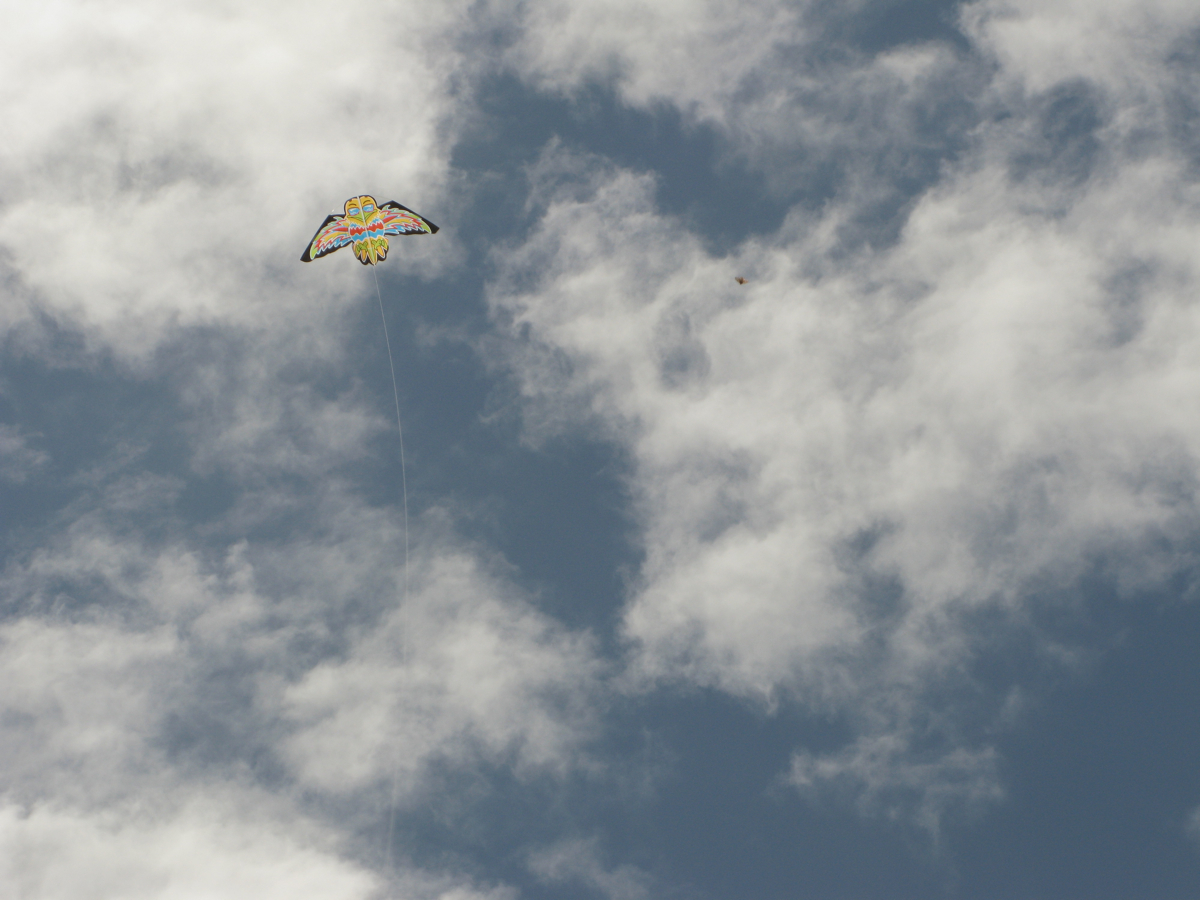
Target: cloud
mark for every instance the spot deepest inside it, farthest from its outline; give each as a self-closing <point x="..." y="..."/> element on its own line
<point x="204" y="846"/>
<point x="798" y="93"/>
<point x="461" y="671"/>
<point x="884" y="775"/>
<point x="18" y="460"/>
<point x="837" y="464"/>
<point x="789" y="91"/>
<point x="114" y="635"/>
<point x="154" y="670"/>
<point x="196" y="851"/>
<point x="146" y="187"/>
<point x="580" y="862"/>
<point x="1116" y="43"/>
<point x="652" y="50"/>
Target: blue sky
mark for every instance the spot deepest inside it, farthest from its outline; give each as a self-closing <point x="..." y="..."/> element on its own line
<point x="872" y="577"/>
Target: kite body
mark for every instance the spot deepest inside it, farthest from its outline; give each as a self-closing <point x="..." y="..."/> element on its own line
<point x="366" y="225"/>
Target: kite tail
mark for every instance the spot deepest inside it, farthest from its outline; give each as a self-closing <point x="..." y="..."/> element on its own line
<point x="404" y="601"/>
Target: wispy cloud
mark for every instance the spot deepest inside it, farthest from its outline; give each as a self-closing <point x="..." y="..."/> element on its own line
<point x="18" y="460"/>
<point x="580" y="862"/>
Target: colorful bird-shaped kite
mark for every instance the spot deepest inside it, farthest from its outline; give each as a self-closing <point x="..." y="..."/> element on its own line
<point x="366" y="225"/>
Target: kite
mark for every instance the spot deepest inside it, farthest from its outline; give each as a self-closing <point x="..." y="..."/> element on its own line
<point x="740" y="280"/>
<point x="365" y="224"/>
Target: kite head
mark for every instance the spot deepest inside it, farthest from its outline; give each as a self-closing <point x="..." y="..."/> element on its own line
<point x="360" y="207"/>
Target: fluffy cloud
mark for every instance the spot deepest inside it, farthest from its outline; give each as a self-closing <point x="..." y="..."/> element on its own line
<point x="694" y="53"/>
<point x="1117" y="43"/>
<point x="214" y="845"/>
<point x="460" y="671"/>
<point x="787" y="87"/>
<point x="198" y="851"/>
<point x="140" y="670"/>
<point x="836" y="464"/>
<point x="147" y="184"/>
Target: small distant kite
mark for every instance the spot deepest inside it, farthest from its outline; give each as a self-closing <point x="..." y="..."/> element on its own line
<point x="366" y="225"/>
<point x="740" y="280"/>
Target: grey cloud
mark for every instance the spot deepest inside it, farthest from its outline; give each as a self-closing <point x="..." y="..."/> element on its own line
<point x="682" y="359"/>
<point x="18" y="460"/>
<point x="886" y="776"/>
<point x="580" y="861"/>
<point x="1063" y="142"/>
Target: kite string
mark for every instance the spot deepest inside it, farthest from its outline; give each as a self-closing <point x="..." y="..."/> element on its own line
<point x="399" y="429"/>
<point x="404" y="601"/>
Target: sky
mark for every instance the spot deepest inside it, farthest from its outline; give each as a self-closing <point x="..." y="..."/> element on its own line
<point x="872" y="577"/>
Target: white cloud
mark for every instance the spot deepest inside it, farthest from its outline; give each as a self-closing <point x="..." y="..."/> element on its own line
<point x="693" y="53"/>
<point x="974" y="415"/>
<point x="1120" y="44"/>
<point x="464" y="670"/>
<point x="198" y="851"/>
<point x="167" y="168"/>
<point x="79" y="704"/>
<point x="119" y="634"/>
<point x="139" y="671"/>
<point x="222" y="844"/>
<point x="813" y="112"/>
<point x="787" y="94"/>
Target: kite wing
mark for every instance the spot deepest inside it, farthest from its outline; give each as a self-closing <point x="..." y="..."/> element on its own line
<point x="398" y="219"/>
<point x="333" y="234"/>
